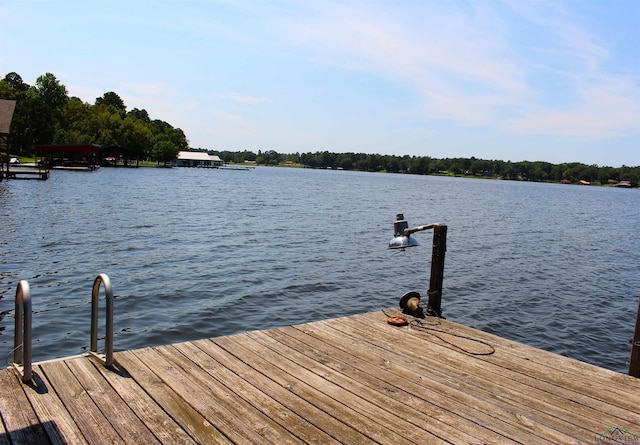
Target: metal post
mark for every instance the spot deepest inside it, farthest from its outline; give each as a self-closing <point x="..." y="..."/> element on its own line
<point x="4" y="137"/>
<point x="634" y="363"/>
<point x="7" y="107"/>
<point x="22" y="334"/>
<point x="107" y="358"/>
<point x="437" y="269"/>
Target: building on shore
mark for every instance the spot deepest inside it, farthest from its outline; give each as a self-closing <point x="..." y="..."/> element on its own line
<point x="197" y="159"/>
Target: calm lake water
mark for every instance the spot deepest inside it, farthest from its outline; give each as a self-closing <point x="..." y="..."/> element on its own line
<point x="195" y="253"/>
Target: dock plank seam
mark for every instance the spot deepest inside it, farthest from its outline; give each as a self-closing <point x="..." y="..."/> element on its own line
<point x="421" y="385"/>
<point x="273" y="387"/>
<point x="286" y="418"/>
<point x="552" y="389"/>
<point x="60" y="426"/>
<point x="193" y="399"/>
<point x="191" y="421"/>
<point x="18" y="417"/>
<point x="542" y="379"/>
<point x="348" y="387"/>
<point x="560" y="379"/>
<point x="90" y="420"/>
<point x="318" y="396"/>
<point x="416" y="360"/>
<point x="258" y="427"/>
<point x="396" y="401"/>
<point x="144" y="406"/>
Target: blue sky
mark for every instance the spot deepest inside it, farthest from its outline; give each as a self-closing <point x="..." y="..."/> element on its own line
<point x="539" y="80"/>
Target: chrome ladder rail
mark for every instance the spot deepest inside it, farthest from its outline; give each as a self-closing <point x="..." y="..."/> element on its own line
<point x="22" y="335"/>
<point x="107" y="358"/>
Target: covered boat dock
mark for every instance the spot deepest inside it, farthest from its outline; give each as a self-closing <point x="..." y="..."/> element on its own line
<point x="72" y="157"/>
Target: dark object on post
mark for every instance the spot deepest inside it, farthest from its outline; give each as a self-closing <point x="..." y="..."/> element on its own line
<point x="403" y="238"/>
<point x="410" y="304"/>
<point x="634" y="363"/>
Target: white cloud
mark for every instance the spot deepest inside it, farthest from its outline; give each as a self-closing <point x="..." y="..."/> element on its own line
<point x="376" y="75"/>
<point x="471" y="69"/>
<point x="463" y="72"/>
<point x="607" y="107"/>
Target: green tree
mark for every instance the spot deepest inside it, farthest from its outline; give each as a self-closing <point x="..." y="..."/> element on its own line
<point x="45" y="114"/>
<point x="269" y="157"/>
<point x="164" y="150"/>
<point x="177" y="137"/>
<point x="135" y="138"/>
<point x="346" y="161"/>
<point x="14" y="83"/>
<point x="141" y="115"/>
<point x="104" y="126"/>
<point x="71" y="129"/>
<point x="45" y="102"/>
<point x="21" y="132"/>
<point x="52" y="92"/>
<point x="111" y="99"/>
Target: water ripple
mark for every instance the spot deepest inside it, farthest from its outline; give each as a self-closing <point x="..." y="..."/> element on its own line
<point x="195" y="253"/>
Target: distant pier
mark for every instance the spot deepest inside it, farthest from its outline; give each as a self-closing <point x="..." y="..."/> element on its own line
<point x="24" y="172"/>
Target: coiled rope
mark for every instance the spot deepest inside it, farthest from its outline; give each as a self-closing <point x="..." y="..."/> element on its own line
<point x="429" y="328"/>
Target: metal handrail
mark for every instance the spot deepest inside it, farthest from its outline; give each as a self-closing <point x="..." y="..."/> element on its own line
<point x="22" y="335"/>
<point x="107" y="357"/>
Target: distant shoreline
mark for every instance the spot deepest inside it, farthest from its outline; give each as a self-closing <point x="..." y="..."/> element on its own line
<point x="572" y="174"/>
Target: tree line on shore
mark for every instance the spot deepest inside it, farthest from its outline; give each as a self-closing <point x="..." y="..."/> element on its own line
<point x="426" y="165"/>
<point x="45" y="115"/>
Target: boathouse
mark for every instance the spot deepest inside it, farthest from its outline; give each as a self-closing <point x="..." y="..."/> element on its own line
<point x="69" y="156"/>
<point x="197" y="159"/>
<point x="215" y="160"/>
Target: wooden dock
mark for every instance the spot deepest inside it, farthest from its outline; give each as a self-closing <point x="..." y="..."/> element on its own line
<point x="352" y="380"/>
<point x="25" y="173"/>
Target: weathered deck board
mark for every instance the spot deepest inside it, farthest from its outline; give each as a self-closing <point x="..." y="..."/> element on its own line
<point x="531" y="383"/>
<point x="472" y="406"/>
<point x="351" y="380"/>
<point x="376" y="391"/>
<point x="401" y="388"/>
<point x="21" y="424"/>
<point x="193" y="423"/>
<point x="281" y="394"/>
<point x="256" y="395"/>
<point x="356" y="411"/>
<point x="61" y="427"/>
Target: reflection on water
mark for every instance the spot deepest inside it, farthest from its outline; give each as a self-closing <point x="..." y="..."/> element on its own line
<point x="196" y="253"/>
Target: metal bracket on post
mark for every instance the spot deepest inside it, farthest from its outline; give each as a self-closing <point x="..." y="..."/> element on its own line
<point x="107" y="358"/>
<point x="403" y="238"/>
<point x="22" y="334"/>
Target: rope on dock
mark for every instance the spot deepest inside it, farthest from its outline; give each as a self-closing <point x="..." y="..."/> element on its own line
<point x="421" y="325"/>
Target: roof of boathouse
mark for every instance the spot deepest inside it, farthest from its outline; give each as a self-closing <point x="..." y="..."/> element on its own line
<point x="193" y="156"/>
<point x="78" y="148"/>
